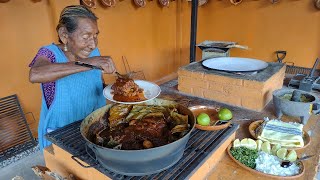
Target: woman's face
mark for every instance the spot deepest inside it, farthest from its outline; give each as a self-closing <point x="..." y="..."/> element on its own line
<point x="84" y="39"/>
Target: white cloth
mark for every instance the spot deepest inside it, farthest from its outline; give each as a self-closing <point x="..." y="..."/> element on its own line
<point x="283" y="133"/>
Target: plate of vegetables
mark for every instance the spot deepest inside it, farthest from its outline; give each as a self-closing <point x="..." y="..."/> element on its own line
<point x="265" y="159"/>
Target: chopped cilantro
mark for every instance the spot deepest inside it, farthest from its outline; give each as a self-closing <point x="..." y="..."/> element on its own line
<point x="245" y="156"/>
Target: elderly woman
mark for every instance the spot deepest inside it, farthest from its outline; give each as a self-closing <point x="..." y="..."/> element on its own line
<point x="70" y="92"/>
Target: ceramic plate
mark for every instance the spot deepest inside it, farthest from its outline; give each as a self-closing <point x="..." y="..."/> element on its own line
<point x="302" y="169"/>
<point x="234" y="64"/>
<point x="253" y="126"/>
<point x="150" y="91"/>
<point x="212" y="112"/>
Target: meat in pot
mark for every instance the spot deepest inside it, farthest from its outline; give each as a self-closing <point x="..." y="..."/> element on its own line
<point x="133" y="127"/>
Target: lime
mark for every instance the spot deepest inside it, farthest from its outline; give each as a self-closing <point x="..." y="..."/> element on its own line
<point x="244" y="142"/>
<point x="252" y="144"/>
<point x="265" y="147"/>
<point x="225" y="114"/>
<point x="291" y="156"/>
<point x="203" y="119"/>
<point x="282" y="153"/>
<point x="275" y="148"/>
<point x="236" y="143"/>
<point x="248" y="143"/>
<point x="259" y="143"/>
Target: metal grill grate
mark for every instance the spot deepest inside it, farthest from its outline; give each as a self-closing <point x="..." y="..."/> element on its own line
<point x="301" y="70"/>
<point x="15" y="134"/>
<point x="200" y="146"/>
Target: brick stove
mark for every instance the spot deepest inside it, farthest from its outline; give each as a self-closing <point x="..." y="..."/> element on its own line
<point x="252" y="91"/>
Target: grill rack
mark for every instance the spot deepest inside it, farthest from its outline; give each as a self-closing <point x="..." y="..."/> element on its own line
<point x="200" y="146"/>
<point x="16" y="136"/>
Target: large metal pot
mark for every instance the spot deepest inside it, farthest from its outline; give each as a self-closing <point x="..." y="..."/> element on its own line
<point x="138" y="162"/>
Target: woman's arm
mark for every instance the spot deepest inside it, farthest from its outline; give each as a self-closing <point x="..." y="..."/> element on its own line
<point x="44" y="71"/>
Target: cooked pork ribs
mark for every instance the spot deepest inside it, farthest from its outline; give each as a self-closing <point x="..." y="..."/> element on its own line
<point x="126" y="90"/>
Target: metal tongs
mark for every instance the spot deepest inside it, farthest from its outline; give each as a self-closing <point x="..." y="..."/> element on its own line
<point x="79" y="63"/>
<point x="124" y="76"/>
<point x="129" y="73"/>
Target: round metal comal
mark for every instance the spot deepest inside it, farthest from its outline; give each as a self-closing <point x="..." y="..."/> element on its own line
<point x="234" y="64"/>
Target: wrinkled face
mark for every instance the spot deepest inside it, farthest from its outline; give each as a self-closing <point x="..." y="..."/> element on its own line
<point x="84" y="39"/>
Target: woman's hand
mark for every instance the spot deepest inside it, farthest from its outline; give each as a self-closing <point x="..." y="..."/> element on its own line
<point x="105" y="62"/>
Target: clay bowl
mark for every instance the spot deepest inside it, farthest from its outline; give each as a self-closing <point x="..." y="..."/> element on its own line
<point x="109" y="3"/>
<point x="89" y="3"/>
<point x="140" y="3"/>
<point x="302" y="169"/>
<point x="253" y="126"/>
<point x="213" y="114"/>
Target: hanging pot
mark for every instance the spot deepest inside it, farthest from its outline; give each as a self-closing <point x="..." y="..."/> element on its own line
<point x="274" y="1"/>
<point x="140" y="3"/>
<point x="317" y="4"/>
<point x="109" y="3"/>
<point x="235" y="2"/>
<point x="89" y="3"/>
<point x="164" y="3"/>
<point x="202" y="2"/>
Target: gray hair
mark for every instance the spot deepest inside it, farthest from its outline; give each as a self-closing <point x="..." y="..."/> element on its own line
<point x="70" y="14"/>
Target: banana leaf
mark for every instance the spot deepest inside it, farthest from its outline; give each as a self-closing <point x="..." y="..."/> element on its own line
<point x="118" y="113"/>
<point x="179" y="119"/>
<point x="140" y="111"/>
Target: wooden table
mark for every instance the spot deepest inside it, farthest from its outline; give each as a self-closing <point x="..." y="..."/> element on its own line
<point x="228" y="169"/>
